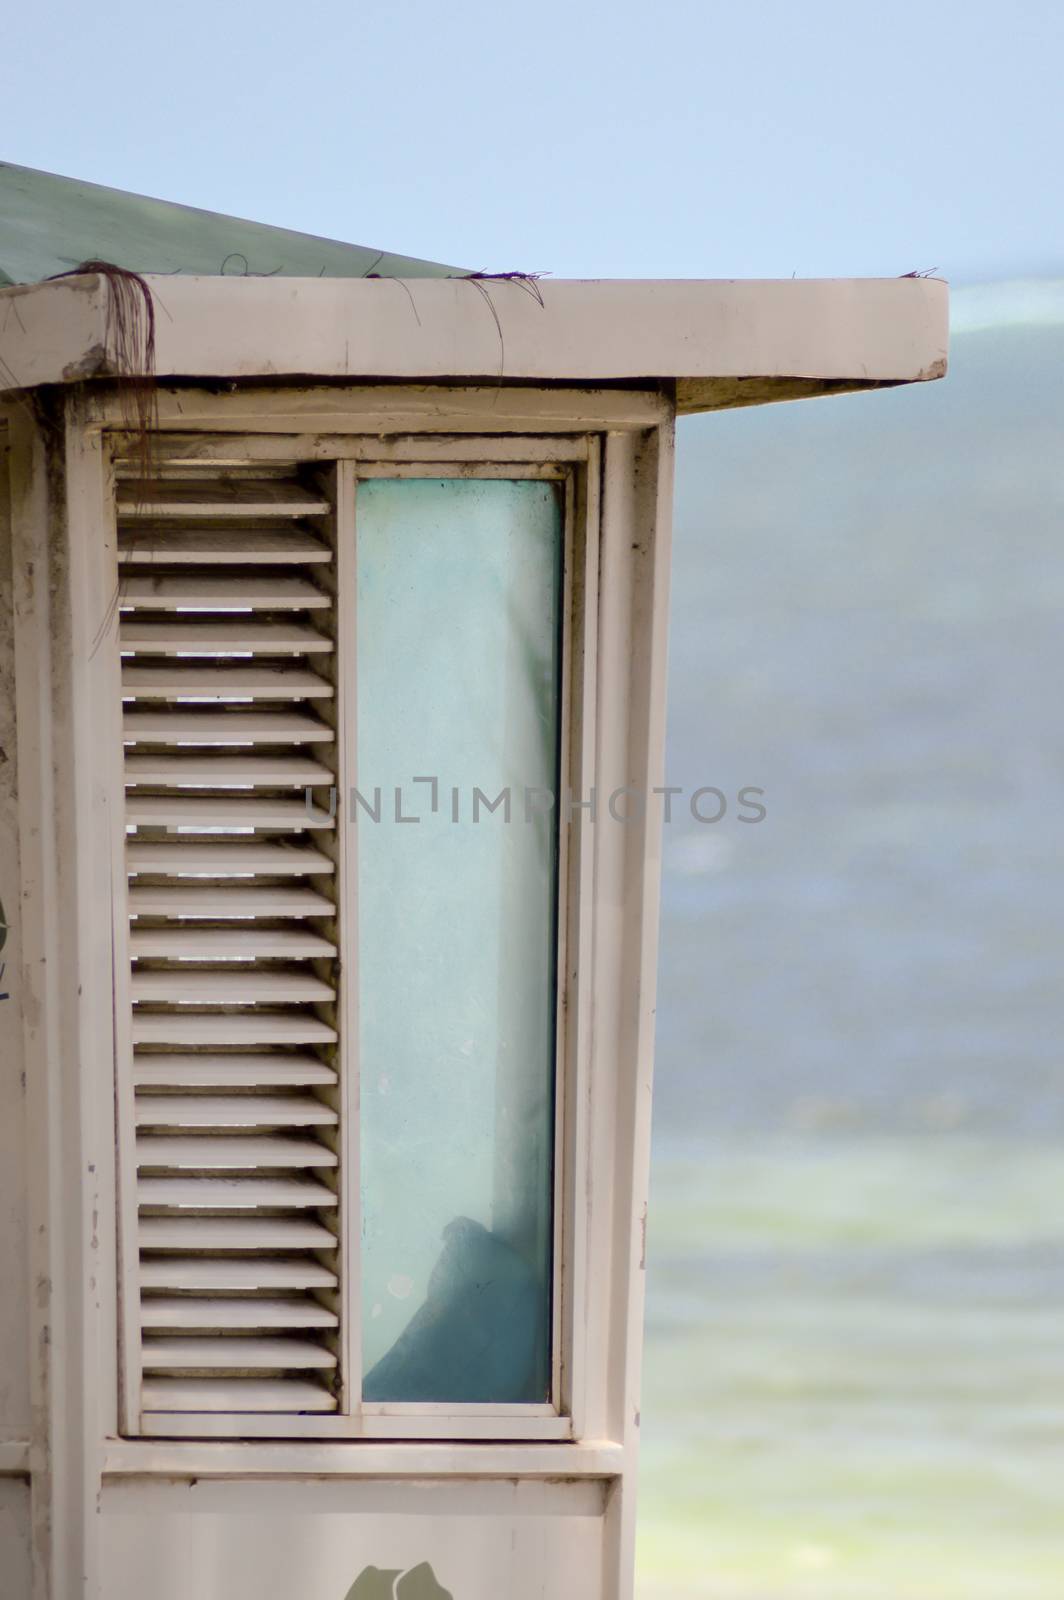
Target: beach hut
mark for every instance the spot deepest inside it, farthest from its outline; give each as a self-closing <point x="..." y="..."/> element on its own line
<point x="333" y="611"/>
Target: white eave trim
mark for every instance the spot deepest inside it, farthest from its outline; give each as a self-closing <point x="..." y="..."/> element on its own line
<point x="723" y="342"/>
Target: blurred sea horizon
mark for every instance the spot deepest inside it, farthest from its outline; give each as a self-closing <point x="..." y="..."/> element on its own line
<point x="854" y="1379"/>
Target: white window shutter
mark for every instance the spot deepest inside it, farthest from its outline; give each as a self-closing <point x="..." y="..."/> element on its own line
<point x="227" y="595"/>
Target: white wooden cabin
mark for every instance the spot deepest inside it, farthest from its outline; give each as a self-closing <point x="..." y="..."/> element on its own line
<point x="324" y="1101"/>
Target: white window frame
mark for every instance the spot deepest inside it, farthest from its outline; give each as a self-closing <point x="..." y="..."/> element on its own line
<point x="567" y="463"/>
<point x="619" y="599"/>
<point x="572" y="462"/>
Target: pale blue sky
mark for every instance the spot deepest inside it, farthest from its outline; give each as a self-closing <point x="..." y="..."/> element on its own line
<point x="627" y="138"/>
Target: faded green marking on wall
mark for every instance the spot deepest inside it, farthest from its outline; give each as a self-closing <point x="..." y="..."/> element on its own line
<point x="379" y="1583"/>
<point x="374" y="1583"/>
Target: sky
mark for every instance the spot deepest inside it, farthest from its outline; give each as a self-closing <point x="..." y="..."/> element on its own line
<point x="620" y="138"/>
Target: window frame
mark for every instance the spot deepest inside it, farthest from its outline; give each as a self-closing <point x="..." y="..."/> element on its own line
<point x="575" y="462"/>
<point x="70" y="774"/>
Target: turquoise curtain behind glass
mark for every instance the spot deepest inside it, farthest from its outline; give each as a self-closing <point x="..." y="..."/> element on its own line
<point x="458" y="680"/>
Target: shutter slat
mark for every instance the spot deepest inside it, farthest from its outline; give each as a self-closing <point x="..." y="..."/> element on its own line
<point x="232" y="497"/>
<point x="211" y="1275"/>
<point x="274" y="1234"/>
<point x="232" y="859"/>
<point x="233" y="727"/>
<point x="227" y="772"/>
<point x="203" y="1070"/>
<point x="183" y="546"/>
<point x="229" y="1111"/>
<point x="196" y="815"/>
<point x="164" y="1395"/>
<point x="234" y="903"/>
<point x="169" y="1312"/>
<point x="231" y="682"/>
<point x="233" y="1194"/>
<point x="244" y="1354"/>
<point x="248" y="1154"/>
<point x="192" y="1029"/>
<point x="184" y="593"/>
<point x="231" y="638"/>
<point x="227" y="944"/>
<point x="237" y="987"/>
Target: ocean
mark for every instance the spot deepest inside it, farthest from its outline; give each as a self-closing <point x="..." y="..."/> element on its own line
<point x="854" y="1376"/>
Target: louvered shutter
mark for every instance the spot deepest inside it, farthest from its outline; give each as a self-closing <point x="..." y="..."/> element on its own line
<point x="228" y="631"/>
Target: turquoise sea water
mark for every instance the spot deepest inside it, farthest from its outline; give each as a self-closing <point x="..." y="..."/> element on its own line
<point x="854" y="1381"/>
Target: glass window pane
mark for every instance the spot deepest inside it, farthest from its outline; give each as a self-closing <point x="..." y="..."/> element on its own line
<point x="459" y="594"/>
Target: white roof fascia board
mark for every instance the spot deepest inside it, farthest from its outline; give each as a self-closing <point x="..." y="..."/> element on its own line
<point x="723" y="342"/>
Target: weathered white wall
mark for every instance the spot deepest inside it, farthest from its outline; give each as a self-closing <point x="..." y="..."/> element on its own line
<point x="14" y="1539"/>
<point x="14" y="1286"/>
<point x="301" y="1520"/>
<point x="312" y="1541"/>
<point x="14" y="1352"/>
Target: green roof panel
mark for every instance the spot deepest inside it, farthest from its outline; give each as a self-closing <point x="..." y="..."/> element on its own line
<point x="50" y="224"/>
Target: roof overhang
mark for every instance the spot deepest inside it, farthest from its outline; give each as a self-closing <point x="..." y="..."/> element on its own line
<point x="722" y="342"/>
